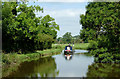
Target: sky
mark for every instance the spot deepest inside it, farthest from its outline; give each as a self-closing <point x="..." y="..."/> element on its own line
<point x="66" y="15"/>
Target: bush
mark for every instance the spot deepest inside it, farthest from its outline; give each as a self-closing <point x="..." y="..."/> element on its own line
<point x="9" y="58"/>
<point x="57" y="47"/>
<point x="104" y="58"/>
<point x="98" y="51"/>
<point x="5" y="59"/>
<point x="93" y="45"/>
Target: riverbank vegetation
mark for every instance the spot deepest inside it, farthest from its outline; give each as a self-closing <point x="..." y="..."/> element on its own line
<point x="11" y="61"/>
<point x="101" y="27"/>
<point x="106" y="70"/>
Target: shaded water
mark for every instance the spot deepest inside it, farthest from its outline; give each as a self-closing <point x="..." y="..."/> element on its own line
<point x="79" y="65"/>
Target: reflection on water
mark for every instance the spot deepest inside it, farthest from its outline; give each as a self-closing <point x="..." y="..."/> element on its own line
<point x="104" y="70"/>
<point x="68" y="56"/>
<point x="55" y="66"/>
<point x="44" y="67"/>
<point x="80" y="65"/>
<point x="76" y="67"/>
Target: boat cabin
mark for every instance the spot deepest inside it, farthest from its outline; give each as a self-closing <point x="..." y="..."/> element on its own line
<point x="68" y="47"/>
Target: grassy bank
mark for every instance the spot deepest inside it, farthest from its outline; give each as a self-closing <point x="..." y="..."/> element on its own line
<point x="15" y="58"/>
<point x="11" y="61"/>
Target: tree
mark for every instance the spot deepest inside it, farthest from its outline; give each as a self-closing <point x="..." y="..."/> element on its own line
<point x="101" y="24"/>
<point x="23" y="31"/>
<point x="59" y="40"/>
<point x="67" y="37"/>
<point x="77" y="39"/>
<point x="87" y="35"/>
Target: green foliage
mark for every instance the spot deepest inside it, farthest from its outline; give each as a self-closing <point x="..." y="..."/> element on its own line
<point x="76" y="39"/>
<point x="93" y="45"/>
<point x="87" y="35"/>
<point x="98" y="51"/>
<point x="106" y="57"/>
<point x="67" y="37"/>
<point x="106" y="70"/>
<point x="57" y="47"/>
<point x="81" y="46"/>
<point x="8" y="59"/>
<point x="102" y="28"/>
<point x="23" y="31"/>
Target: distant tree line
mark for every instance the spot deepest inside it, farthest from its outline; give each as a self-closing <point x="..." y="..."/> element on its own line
<point x="101" y="27"/>
<point x="68" y="38"/>
<point x="23" y="31"/>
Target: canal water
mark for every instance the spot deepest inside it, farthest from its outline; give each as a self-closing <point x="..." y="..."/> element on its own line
<point x="80" y="64"/>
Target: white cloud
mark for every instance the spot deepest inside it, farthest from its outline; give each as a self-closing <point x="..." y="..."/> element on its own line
<point x="66" y="12"/>
<point x="62" y="13"/>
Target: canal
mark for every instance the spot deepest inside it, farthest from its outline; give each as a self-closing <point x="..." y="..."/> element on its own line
<point x="80" y="64"/>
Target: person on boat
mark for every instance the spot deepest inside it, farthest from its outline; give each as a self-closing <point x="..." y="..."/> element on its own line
<point x="68" y="47"/>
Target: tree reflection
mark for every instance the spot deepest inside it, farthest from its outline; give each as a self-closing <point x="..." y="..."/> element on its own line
<point x="103" y="70"/>
<point x="44" y="67"/>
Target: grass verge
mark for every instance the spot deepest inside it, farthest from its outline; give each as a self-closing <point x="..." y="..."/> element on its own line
<point x="11" y="61"/>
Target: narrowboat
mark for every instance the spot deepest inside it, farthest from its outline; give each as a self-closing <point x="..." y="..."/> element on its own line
<point x="68" y="50"/>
